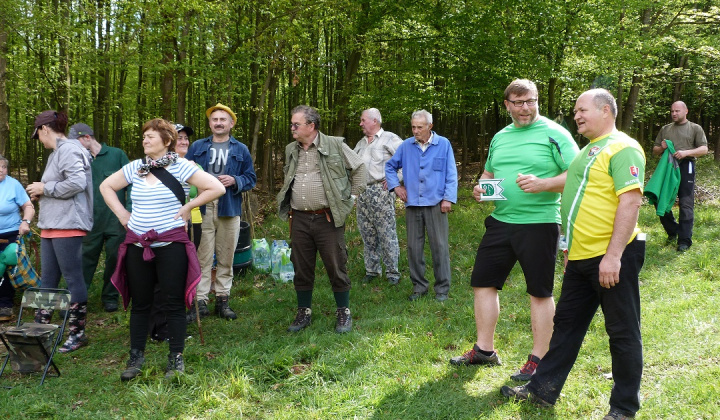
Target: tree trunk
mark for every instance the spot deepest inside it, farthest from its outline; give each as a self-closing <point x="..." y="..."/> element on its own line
<point x="4" y="107"/>
<point x="630" y="104"/>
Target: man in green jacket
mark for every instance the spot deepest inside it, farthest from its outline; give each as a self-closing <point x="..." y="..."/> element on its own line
<point x="106" y="229"/>
<point x="322" y="178"/>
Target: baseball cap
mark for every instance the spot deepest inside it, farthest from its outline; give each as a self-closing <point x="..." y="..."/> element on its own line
<point x="45" y="117"/>
<point x="79" y="130"/>
<point x="185" y="128"/>
<point x="222" y="107"/>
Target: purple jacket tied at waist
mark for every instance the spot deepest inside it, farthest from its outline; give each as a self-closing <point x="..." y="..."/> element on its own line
<point x="119" y="279"/>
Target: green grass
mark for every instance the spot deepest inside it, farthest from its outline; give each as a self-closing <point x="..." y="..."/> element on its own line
<point x="395" y="362"/>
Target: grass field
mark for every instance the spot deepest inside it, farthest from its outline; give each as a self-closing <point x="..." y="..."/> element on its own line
<point x="394" y="364"/>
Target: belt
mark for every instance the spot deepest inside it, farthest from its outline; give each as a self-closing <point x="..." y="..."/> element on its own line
<point x="325" y="211"/>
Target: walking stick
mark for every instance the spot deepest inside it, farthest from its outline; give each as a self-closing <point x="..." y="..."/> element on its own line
<point x="197" y="310"/>
<point x="197" y="315"/>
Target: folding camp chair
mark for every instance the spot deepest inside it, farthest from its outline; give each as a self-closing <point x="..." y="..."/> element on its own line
<point x="31" y="346"/>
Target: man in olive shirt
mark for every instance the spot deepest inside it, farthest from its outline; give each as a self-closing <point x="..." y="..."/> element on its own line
<point x="107" y="229"/>
<point x="690" y="142"/>
<point x="317" y="196"/>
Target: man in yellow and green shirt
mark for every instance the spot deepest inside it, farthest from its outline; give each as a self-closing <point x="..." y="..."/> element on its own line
<point x="600" y="207"/>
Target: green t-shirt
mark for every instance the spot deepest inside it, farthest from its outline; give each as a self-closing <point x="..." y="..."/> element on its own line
<point x="544" y="149"/>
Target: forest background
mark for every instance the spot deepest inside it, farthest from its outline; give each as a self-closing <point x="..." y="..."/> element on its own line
<point x="116" y="63"/>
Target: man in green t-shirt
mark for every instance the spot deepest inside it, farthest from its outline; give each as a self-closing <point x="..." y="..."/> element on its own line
<point x="530" y="156"/>
<point x="690" y="142"/>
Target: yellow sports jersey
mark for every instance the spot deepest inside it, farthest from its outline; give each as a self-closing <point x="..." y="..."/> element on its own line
<point x="607" y="167"/>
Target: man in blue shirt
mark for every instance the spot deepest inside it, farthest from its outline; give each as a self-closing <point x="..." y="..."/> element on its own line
<point x="430" y="189"/>
<point x="224" y="157"/>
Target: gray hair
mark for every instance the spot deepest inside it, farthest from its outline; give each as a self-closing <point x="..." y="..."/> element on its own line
<point x="422" y="114"/>
<point x="602" y="97"/>
<point x="4" y="159"/>
<point x="374" y="113"/>
<point x="311" y="114"/>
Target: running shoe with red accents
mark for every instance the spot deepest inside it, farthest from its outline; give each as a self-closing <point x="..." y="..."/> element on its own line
<point x="528" y="369"/>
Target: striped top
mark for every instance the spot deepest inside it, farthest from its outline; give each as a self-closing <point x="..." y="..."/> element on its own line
<point x="607" y="167"/>
<point x="155" y="206"/>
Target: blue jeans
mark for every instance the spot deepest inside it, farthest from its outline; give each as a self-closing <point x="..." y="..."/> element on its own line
<point x="579" y="299"/>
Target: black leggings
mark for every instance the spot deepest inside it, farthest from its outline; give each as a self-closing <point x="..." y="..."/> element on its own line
<point x="169" y="270"/>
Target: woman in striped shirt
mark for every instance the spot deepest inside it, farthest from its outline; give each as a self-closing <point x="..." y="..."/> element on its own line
<point x="157" y="249"/>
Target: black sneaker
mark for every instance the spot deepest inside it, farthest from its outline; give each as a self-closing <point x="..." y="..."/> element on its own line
<point x="615" y="414"/>
<point x="526" y="372"/>
<point x="134" y="365"/>
<point x="683" y="247"/>
<point x="521" y="393"/>
<point x="344" y="320"/>
<point x="671" y="240"/>
<point x="302" y="319"/>
<point x="175" y="366"/>
<point x="474" y="357"/>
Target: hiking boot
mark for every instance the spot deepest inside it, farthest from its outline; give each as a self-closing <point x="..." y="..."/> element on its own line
<point x="615" y="414"/>
<point x="43" y="316"/>
<point x="134" y="365"/>
<point x="76" y="327"/>
<point x="393" y="281"/>
<point x="368" y="278"/>
<point x="344" y="320"/>
<point x="302" y="319"/>
<point x="528" y="369"/>
<point x="521" y="393"/>
<point x="6" y="314"/>
<point x="192" y="314"/>
<point x="111" y="306"/>
<point x="175" y="366"/>
<point x="222" y="308"/>
<point x="474" y="357"/>
<point x="416" y="295"/>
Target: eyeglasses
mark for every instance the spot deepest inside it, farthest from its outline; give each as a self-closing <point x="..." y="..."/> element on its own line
<point x="295" y="126"/>
<point x="530" y="103"/>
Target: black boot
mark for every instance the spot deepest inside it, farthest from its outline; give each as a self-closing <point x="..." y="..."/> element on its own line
<point x="134" y="365"/>
<point x="222" y="309"/>
<point x="175" y="366"/>
<point x="76" y="326"/>
<point x="191" y="315"/>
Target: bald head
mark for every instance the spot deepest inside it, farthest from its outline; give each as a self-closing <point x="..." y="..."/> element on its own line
<point x="678" y="112"/>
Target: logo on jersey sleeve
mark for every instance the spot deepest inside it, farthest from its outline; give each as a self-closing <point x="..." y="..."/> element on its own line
<point x="593" y="150"/>
<point x="634" y="171"/>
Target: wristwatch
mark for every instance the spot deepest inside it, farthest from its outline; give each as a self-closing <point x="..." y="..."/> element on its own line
<point x="28" y="221"/>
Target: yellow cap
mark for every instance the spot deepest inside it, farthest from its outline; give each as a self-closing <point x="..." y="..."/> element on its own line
<point x="222" y="107"/>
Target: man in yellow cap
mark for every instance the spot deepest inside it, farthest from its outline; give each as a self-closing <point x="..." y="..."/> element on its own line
<point x="223" y="156"/>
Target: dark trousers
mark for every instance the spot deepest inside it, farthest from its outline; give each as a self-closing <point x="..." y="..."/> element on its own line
<point x="428" y="219"/>
<point x="686" y="196"/>
<point x="63" y="256"/>
<point x="169" y="270"/>
<point x="91" y="249"/>
<point x="311" y="234"/>
<point x="579" y="299"/>
<point x="7" y="291"/>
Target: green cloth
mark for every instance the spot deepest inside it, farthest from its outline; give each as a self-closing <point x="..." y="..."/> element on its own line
<point x="543" y="149"/>
<point x="662" y="188"/>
